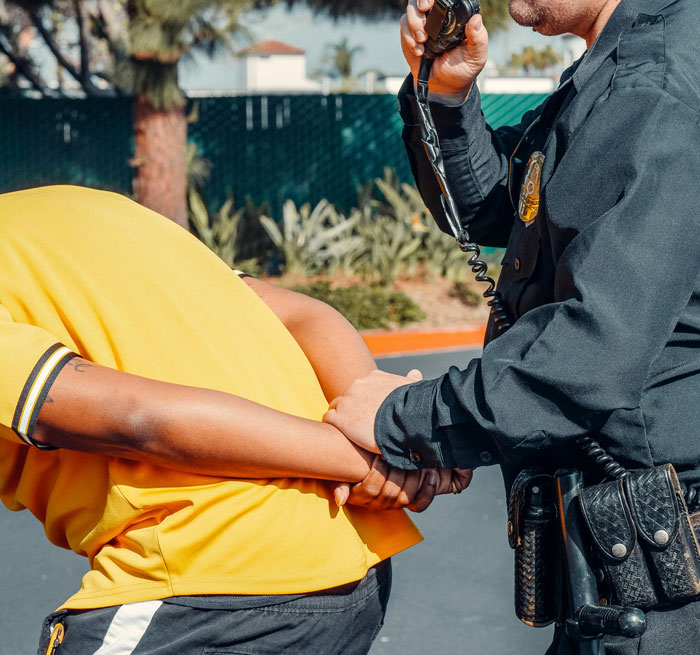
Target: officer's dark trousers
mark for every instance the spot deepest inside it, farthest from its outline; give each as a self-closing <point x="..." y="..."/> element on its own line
<point x="669" y="632"/>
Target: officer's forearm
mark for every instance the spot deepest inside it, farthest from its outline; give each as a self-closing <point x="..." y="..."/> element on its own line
<point x="99" y="410"/>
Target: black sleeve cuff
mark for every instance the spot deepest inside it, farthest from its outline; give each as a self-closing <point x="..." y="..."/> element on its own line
<point x="406" y="102"/>
<point x="453" y="122"/>
<point x="35" y="392"/>
<point x="410" y="435"/>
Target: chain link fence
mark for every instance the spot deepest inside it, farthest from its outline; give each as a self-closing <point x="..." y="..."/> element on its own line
<point x="269" y="147"/>
<point x="64" y="141"/>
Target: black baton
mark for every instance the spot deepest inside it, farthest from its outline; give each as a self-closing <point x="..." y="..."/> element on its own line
<point x="587" y="621"/>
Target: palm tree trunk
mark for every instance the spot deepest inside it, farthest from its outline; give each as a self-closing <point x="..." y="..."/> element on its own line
<point x="161" y="173"/>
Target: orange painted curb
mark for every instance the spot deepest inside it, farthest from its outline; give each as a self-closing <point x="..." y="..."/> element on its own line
<point x="392" y="343"/>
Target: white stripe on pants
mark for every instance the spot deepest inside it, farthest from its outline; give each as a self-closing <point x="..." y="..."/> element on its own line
<point x="128" y="627"/>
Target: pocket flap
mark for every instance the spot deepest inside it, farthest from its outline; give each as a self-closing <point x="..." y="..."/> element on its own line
<point x="609" y="520"/>
<point x="653" y="503"/>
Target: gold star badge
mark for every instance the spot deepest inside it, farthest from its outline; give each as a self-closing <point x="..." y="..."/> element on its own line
<point x="530" y="191"/>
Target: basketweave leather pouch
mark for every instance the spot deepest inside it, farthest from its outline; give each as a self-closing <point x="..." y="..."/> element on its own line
<point x="663" y="524"/>
<point x="609" y="519"/>
<point x="533" y="533"/>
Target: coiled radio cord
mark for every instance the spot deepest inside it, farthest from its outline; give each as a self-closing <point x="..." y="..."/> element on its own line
<point x="431" y="142"/>
<point x="692" y="497"/>
<point x="592" y="449"/>
<point x="613" y="470"/>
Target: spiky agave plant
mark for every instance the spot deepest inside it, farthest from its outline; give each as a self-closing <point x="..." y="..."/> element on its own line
<point x="220" y="232"/>
<point x="312" y="240"/>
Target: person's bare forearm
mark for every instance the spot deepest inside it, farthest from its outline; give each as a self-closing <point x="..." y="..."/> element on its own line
<point x="336" y="351"/>
<point x="332" y="345"/>
<point x="98" y="410"/>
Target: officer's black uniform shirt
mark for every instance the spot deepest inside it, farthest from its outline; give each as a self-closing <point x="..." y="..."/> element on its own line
<point x="604" y="283"/>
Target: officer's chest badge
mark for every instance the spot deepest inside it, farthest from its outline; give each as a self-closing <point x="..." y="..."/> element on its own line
<point x="530" y="191"/>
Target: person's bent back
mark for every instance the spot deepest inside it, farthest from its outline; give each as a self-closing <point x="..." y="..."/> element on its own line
<point x="91" y="277"/>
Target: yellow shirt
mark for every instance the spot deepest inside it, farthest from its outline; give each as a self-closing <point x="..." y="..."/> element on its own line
<point x="94" y="273"/>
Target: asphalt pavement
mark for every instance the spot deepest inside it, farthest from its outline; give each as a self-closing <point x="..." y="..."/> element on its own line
<point x="452" y="594"/>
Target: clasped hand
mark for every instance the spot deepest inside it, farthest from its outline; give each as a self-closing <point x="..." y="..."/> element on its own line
<point x="385" y="487"/>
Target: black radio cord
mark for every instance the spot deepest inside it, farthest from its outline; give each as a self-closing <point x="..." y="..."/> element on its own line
<point x="592" y="449"/>
<point x="615" y="471"/>
<point x="431" y="142"/>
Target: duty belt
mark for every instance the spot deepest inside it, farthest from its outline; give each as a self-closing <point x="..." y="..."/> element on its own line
<point x="631" y="543"/>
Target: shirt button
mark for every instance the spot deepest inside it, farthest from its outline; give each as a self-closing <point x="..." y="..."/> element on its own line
<point x="414" y="456"/>
<point x="486" y="457"/>
<point x="517" y="263"/>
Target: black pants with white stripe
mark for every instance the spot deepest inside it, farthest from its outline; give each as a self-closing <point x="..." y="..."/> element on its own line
<point x="343" y="620"/>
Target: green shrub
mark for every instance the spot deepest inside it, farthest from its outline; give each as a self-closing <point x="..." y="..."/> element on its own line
<point x="465" y="294"/>
<point x="388" y="235"/>
<point x="366" y="307"/>
<point x="220" y="232"/>
<point x="438" y="253"/>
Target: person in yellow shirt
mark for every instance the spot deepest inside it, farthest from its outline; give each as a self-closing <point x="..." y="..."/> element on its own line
<point x="161" y="416"/>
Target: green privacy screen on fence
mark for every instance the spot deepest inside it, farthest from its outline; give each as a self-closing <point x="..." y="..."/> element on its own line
<point x="274" y="147"/>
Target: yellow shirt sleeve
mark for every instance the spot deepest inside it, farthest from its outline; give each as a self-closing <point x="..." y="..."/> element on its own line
<point x="30" y="360"/>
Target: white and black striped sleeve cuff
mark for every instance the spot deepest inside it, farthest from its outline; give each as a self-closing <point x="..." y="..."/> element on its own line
<point x="35" y="391"/>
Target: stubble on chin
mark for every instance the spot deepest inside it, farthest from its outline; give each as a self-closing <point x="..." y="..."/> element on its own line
<point x="528" y="13"/>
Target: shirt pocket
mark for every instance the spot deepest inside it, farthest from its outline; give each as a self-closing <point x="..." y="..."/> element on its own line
<point x="519" y="284"/>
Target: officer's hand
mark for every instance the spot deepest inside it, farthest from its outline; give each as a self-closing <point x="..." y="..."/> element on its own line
<point x="353" y="413"/>
<point x="453" y="481"/>
<point x="386" y="487"/>
<point x="390" y="488"/>
<point x="453" y="72"/>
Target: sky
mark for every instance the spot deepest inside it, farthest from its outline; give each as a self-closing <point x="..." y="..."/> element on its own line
<point x="379" y="41"/>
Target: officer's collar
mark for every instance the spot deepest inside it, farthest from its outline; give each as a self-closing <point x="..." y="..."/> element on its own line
<point x="606" y="42"/>
<point x="622" y="18"/>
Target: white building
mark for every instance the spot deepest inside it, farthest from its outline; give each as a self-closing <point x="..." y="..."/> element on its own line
<point x="522" y="84"/>
<point x="273" y="67"/>
<point x="374" y="81"/>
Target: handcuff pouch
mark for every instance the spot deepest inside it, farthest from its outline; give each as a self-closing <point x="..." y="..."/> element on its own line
<point x="608" y="517"/>
<point x="663" y="524"/>
<point x="534" y="536"/>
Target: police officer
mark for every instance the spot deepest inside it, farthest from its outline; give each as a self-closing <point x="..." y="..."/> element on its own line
<point x="594" y="196"/>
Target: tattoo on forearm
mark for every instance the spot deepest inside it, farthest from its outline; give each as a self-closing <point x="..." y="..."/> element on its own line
<point x="78" y="365"/>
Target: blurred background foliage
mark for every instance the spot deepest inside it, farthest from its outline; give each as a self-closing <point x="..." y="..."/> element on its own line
<point x="495" y="12"/>
<point x="351" y="260"/>
<point x="532" y="59"/>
